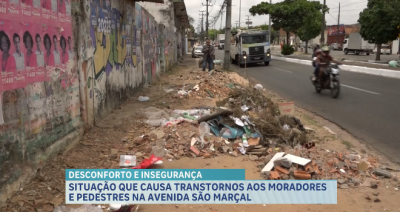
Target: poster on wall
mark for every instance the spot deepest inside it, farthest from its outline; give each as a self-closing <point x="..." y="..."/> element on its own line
<point x="26" y="8"/>
<point x="30" y="51"/>
<point x="52" y="55"/>
<point x="13" y="70"/>
<point x="36" y="9"/>
<point x="64" y="11"/>
<point x="65" y="43"/>
<point x="14" y="9"/>
<point x="46" y="10"/>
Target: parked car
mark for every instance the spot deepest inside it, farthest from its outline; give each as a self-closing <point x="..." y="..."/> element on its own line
<point x="197" y="51"/>
<point x="385" y="49"/>
<point x="336" y="46"/>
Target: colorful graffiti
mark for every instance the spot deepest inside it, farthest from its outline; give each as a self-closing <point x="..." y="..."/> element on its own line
<point x="111" y="36"/>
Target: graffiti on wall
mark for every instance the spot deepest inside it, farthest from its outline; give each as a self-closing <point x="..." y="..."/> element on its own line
<point x="111" y="37"/>
<point x="149" y="32"/>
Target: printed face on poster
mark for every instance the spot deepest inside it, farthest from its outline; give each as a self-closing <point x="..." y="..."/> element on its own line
<point x="65" y="43"/>
<point x="52" y="51"/>
<point x="13" y="63"/>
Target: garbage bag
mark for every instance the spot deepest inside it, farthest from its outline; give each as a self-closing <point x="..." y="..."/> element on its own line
<point x="393" y="63"/>
<point x="154" y="116"/>
<point x="147" y="162"/>
<point x="83" y="208"/>
<point x="204" y="132"/>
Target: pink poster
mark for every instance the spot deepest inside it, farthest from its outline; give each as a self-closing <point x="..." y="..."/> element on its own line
<point x="26" y="8"/>
<point x="36" y="10"/>
<point x="13" y="70"/>
<point x="52" y="52"/>
<point x="64" y="11"/>
<point x="14" y="9"/>
<point x="66" y="45"/>
<point x="35" y="69"/>
<point x="3" y="7"/>
<point x="47" y="6"/>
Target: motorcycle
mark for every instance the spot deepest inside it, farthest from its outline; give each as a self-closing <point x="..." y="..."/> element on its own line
<point x="328" y="80"/>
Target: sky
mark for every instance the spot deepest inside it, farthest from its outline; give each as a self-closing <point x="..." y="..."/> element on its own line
<point x="350" y="10"/>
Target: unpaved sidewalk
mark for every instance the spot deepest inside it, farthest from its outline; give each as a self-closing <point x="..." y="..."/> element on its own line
<point x="120" y="134"/>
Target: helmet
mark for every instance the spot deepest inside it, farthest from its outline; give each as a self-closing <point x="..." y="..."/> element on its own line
<point x="325" y="49"/>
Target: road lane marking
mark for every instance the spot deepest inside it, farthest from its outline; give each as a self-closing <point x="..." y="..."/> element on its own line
<point x="359" y="89"/>
<point x="283" y="70"/>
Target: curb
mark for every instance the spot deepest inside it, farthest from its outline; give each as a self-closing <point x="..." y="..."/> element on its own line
<point x="357" y="69"/>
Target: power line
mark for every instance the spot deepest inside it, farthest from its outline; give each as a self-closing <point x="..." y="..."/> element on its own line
<point x="335" y="8"/>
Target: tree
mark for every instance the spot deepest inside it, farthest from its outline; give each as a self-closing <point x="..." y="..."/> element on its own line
<point x="378" y="24"/>
<point x="311" y="28"/>
<point x="289" y="15"/>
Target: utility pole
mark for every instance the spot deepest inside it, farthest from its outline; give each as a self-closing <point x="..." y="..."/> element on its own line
<point x="202" y="26"/>
<point x="227" y="58"/>
<point x="222" y="15"/>
<point x="322" y="41"/>
<point x="248" y="21"/>
<point x="269" y="27"/>
<point x="338" y="22"/>
<point x="207" y="18"/>
<point x="240" y="11"/>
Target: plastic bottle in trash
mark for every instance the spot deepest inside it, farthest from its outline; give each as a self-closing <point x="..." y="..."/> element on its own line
<point x="245" y="143"/>
<point x="144" y="98"/>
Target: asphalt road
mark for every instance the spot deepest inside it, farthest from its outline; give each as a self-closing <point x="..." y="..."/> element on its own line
<point x="350" y="56"/>
<point x="368" y="106"/>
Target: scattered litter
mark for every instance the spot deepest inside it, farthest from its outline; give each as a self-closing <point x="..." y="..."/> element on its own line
<point x="242" y="150"/>
<point x="297" y="160"/>
<point x="143" y="98"/>
<point x="204" y="132"/>
<point x="308" y="129"/>
<point x="146" y="163"/>
<point x="127" y="160"/>
<point x="259" y="87"/>
<point x="217" y="62"/>
<point x="170" y="160"/>
<point x="343" y="171"/>
<point x="283" y="162"/>
<point x="286" y="108"/>
<point x="286" y="127"/>
<point x="244" y="108"/>
<point x="169" y="90"/>
<point x="270" y="164"/>
<point x="330" y="131"/>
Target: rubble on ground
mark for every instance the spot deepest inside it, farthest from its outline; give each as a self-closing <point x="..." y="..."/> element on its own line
<point x="245" y="124"/>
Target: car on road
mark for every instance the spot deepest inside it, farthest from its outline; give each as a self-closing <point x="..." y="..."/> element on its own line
<point x="197" y="52"/>
<point x="385" y="49"/>
<point x="336" y="46"/>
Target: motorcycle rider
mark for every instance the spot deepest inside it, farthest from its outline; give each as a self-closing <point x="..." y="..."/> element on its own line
<point x="323" y="60"/>
<point x="317" y="51"/>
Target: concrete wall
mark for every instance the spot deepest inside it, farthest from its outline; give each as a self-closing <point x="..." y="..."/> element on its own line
<point x="42" y="117"/>
<point x="164" y="15"/>
<point x="117" y="49"/>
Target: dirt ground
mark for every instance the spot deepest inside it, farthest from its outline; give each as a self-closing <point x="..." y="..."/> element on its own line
<point x="47" y="190"/>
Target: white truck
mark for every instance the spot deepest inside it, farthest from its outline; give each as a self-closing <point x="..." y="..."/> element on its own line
<point x="254" y="44"/>
<point x="221" y="41"/>
<point x="357" y="45"/>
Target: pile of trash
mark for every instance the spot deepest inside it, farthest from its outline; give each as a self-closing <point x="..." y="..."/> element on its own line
<point x="218" y="85"/>
<point x="247" y="123"/>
